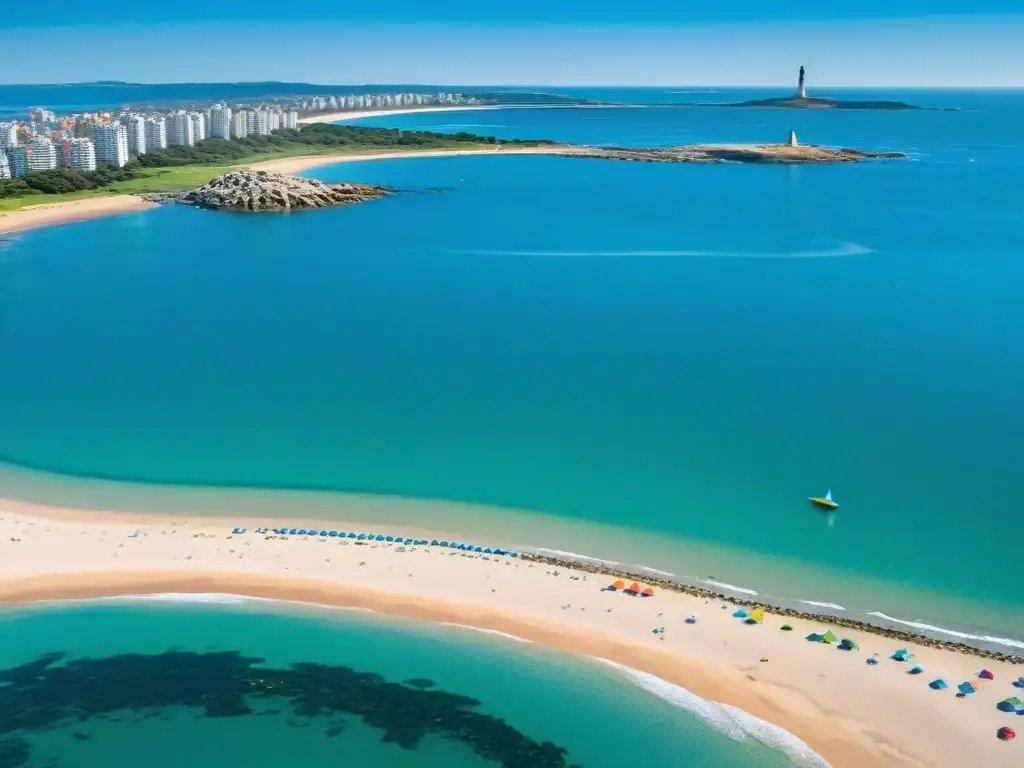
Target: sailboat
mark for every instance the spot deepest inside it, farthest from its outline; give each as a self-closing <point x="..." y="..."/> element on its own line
<point x="824" y="501"/>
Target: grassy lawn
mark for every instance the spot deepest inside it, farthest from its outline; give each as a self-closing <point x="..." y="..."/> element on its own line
<point x="182" y="177"/>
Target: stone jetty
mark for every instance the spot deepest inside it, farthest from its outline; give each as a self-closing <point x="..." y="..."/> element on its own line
<point x="819" y="618"/>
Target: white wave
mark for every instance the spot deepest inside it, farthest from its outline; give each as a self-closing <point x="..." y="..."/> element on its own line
<point x="654" y="570"/>
<point x="184" y="597"/>
<point x="951" y="632"/>
<point x="730" y="587"/>
<point x="833" y="606"/>
<point x="733" y="722"/>
<point x="563" y="553"/>
<point x="841" y="250"/>
<point x="486" y="631"/>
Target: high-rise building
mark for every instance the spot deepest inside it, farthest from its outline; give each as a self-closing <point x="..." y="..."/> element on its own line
<point x="84" y="125"/>
<point x="262" y="122"/>
<point x="8" y="135"/>
<point x="41" y="115"/>
<point x="156" y="133"/>
<point x="220" y="122"/>
<point x="240" y="124"/>
<point x="81" y="155"/>
<point x="290" y="119"/>
<point x="17" y="158"/>
<point x="5" y="166"/>
<point x="179" y="130"/>
<point x="198" y="125"/>
<point x="40" y="154"/>
<point x="250" y="122"/>
<point x="136" y="127"/>
<point x="111" y="144"/>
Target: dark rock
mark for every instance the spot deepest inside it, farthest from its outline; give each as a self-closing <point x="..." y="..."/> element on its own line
<point x="262" y="191"/>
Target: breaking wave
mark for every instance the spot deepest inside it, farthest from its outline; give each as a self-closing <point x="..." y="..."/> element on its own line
<point x="951" y="632"/>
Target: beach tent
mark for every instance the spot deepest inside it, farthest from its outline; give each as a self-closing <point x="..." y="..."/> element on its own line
<point x="938" y="685"/>
<point x="986" y="675"/>
<point x="648" y="592"/>
<point x="786" y="628"/>
<point x="739" y="614"/>
<point x="814" y="637"/>
<point x="1019" y="682"/>
<point x="917" y="669"/>
<point x="902" y="655"/>
<point x="1006" y="734"/>
<point x="1012" y="704"/>
<point x="848" y="645"/>
<point x="829" y="637"/>
<point x="967" y="687"/>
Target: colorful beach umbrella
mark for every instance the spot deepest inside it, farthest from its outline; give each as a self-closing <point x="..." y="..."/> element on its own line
<point x="757" y="615"/>
<point x="634" y="588"/>
<point x="967" y="687"/>
<point x="938" y="685"/>
<point x="986" y="675"/>
<point x="1006" y="734"/>
<point x="648" y="592"/>
<point x="620" y="584"/>
<point x="1012" y="704"/>
<point x="1019" y="682"/>
<point x="829" y="637"/>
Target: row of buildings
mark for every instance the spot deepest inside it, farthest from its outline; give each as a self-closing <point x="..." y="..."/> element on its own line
<point x="81" y="142"/>
<point x="383" y="101"/>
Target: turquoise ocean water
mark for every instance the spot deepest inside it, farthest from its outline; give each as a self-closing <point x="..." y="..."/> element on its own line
<point x="650" y="363"/>
<point x="145" y="684"/>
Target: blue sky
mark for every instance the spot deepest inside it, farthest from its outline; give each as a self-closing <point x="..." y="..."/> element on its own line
<point x="542" y="42"/>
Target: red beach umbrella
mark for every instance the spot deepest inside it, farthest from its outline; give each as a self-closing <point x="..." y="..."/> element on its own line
<point x="986" y="675"/>
<point x="649" y="592"/>
<point x="634" y="587"/>
<point x="1006" y="734"/>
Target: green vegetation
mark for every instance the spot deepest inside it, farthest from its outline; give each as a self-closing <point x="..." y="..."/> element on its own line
<point x="180" y="168"/>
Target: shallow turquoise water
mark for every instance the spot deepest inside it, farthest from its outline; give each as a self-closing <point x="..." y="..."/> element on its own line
<point x="684" y="351"/>
<point x="601" y="720"/>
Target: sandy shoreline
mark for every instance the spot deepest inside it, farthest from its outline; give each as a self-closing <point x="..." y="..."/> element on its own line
<point x="45" y="214"/>
<point x="306" y="162"/>
<point x="851" y="713"/>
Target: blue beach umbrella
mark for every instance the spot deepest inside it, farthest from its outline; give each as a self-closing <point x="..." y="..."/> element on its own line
<point x="352" y="535"/>
<point x="901" y="655"/>
<point x="435" y="542"/>
<point x="323" y="533"/>
<point x="478" y="549"/>
<point x="739" y="614"/>
<point x="380" y="537"/>
<point x="361" y="536"/>
<point x="966" y="688"/>
<point x="938" y="685"/>
<point x="513" y="554"/>
<point x="388" y="538"/>
<point x="302" y="531"/>
<point x="333" y="534"/>
<point x="917" y="669"/>
<point x="292" y="532"/>
<point x="1019" y="682"/>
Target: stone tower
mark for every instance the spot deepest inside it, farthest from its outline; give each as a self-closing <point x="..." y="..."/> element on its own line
<point x="801" y="89"/>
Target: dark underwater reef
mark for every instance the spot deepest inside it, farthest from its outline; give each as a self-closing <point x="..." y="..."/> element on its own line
<point x="45" y="693"/>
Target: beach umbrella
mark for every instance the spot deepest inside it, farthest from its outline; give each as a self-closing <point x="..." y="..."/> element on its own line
<point x="634" y="588"/>
<point x="986" y="675"/>
<point x="814" y="637"/>
<point x="786" y="628"/>
<point x="1006" y="733"/>
<point x="917" y="669"/>
<point x="488" y="551"/>
<point x="1012" y="704"/>
<point x="966" y="687"/>
<point x="333" y="534"/>
<point x="353" y="535"/>
<point x="829" y="637"/>
<point x="292" y="532"/>
<point x="739" y="614"/>
<point x="692" y="618"/>
<point x="901" y="655"/>
<point x="514" y="554"/>
<point x="871" y="660"/>
<point x="648" y="592"/>
<point x="849" y="645"/>
<point x="388" y="538"/>
<point x="323" y="533"/>
<point x="757" y="615"/>
<point x="1019" y="682"/>
<point x="938" y="685"/>
<point x="620" y="584"/>
<point x="380" y="537"/>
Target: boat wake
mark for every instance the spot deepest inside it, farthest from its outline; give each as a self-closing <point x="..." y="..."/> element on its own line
<point x="841" y="250"/>
<point x="732" y="721"/>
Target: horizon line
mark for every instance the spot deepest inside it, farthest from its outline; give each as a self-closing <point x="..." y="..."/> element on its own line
<point x="786" y="84"/>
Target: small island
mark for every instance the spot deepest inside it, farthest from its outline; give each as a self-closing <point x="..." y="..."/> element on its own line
<point x="800" y="100"/>
<point x="263" y="191"/>
<point x="791" y="153"/>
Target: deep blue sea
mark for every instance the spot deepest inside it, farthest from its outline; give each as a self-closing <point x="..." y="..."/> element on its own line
<point x="649" y="363"/>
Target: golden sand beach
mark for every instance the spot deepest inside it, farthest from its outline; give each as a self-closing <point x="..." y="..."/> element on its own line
<point x="33" y="216"/>
<point x="853" y="714"/>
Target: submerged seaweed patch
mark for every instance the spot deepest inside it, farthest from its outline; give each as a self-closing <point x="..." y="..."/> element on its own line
<point x="43" y="694"/>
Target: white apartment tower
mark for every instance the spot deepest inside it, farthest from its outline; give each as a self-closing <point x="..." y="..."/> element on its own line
<point x="179" y="130"/>
<point x="290" y="119"/>
<point x="5" y="166"/>
<point x="262" y="122"/>
<point x="111" y="144"/>
<point x="156" y="133"/>
<point x="41" y="154"/>
<point x="198" y="125"/>
<point x="250" y="122"/>
<point x="220" y="122"/>
<point x="8" y="135"/>
<point x="136" y="126"/>
<point x="81" y="155"/>
<point x="239" y="125"/>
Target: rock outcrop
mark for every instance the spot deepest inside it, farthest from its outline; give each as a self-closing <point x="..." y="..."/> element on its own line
<point x="262" y="191"/>
<point x="788" y="154"/>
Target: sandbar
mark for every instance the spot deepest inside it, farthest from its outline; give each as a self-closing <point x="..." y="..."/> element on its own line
<point x="44" y="214"/>
<point x="852" y="714"/>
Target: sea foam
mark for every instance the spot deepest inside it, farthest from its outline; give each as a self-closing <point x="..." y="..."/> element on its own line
<point x="951" y="632"/>
<point x="833" y="606"/>
<point x="495" y="632"/>
<point x="733" y="722"/>
<point x="730" y="587"/>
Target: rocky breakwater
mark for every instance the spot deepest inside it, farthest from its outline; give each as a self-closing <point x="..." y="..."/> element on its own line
<point x="263" y="191"/>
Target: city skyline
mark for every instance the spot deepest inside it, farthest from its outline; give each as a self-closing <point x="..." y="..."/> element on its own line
<point x="871" y="48"/>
